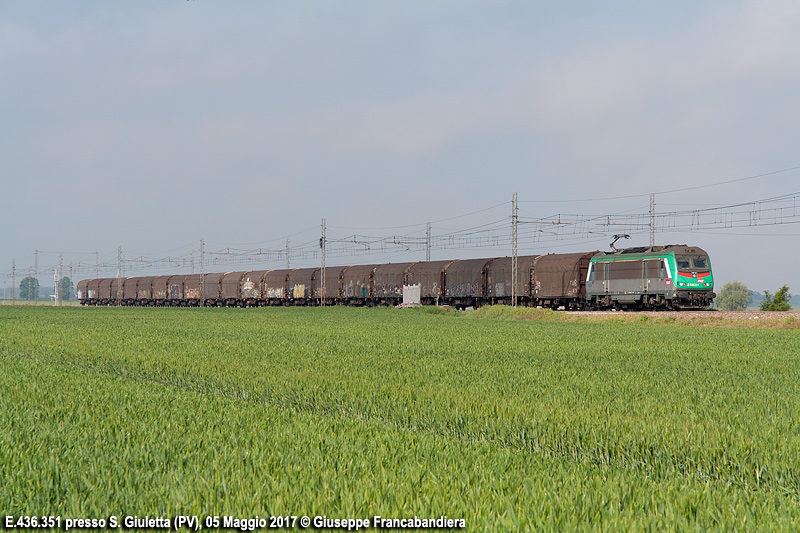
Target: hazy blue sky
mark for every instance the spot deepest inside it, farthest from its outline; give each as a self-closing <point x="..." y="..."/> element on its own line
<point x="151" y="124"/>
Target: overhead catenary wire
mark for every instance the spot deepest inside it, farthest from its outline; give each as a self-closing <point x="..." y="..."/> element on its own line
<point x="670" y="191"/>
<point x="495" y="235"/>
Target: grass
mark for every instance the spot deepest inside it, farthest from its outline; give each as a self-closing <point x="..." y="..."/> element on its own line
<point x="510" y="419"/>
<point x="765" y="319"/>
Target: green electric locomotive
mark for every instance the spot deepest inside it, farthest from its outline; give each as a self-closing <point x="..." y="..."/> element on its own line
<point x="661" y="277"/>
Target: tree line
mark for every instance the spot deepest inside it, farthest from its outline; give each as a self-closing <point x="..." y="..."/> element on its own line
<point x="735" y="296"/>
<point x="29" y="289"/>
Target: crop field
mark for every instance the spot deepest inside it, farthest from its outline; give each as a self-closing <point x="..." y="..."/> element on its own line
<point x="536" y="424"/>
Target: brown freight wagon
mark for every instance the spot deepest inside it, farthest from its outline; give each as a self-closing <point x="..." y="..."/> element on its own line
<point x="300" y="285"/>
<point x="498" y="280"/>
<point x="93" y="291"/>
<point x="212" y="289"/>
<point x="190" y="296"/>
<point x="465" y="282"/>
<point x="106" y="293"/>
<point x="144" y="291"/>
<point x="229" y="289"/>
<point x="251" y="288"/>
<point x="333" y="284"/>
<point x="388" y="281"/>
<point x="559" y="280"/>
<point x="175" y="289"/>
<point x="117" y="285"/>
<point x="275" y="291"/>
<point x="431" y="278"/>
<point x="358" y="284"/>
<point x="130" y="290"/>
<point x="159" y="289"/>
<point x="83" y="291"/>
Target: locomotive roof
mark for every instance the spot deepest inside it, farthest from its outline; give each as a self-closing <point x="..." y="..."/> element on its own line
<point x="677" y="248"/>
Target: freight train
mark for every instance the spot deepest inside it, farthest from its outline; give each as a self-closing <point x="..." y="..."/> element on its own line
<point x="659" y="277"/>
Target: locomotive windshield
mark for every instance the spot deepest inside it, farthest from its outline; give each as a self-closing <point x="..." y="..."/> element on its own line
<point x="689" y="263"/>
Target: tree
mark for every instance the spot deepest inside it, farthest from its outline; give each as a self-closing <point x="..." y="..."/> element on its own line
<point x="29" y="288"/>
<point x="779" y="302"/>
<point x="65" y="289"/>
<point x="733" y="296"/>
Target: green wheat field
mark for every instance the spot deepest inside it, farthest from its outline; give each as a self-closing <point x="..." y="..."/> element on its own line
<point x="538" y="424"/>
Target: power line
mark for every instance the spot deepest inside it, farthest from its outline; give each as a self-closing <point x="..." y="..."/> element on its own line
<point x="683" y="189"/>
<point x="530" y="233"/>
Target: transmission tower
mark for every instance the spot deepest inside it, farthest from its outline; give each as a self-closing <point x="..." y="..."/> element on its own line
<point x="202" y="273"/>
<point x="652" y="219"/>
<point x="322" y="244"/>
<point x="35" y="276"/>
<point x="119" y="275"/>
<point x="428" y="243"/>
<point x="514" y="218"/>
<point x="59" y="275"/>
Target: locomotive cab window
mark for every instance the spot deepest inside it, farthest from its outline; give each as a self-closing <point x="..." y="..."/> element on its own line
<point x="697" y="263"/>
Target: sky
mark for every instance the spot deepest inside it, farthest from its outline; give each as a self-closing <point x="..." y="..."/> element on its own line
<point x="150" y="125"/>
